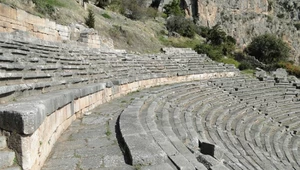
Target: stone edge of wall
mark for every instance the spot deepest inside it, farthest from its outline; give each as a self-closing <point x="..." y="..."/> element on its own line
<point x="39" y="122"/>
<point x="12" y="19"/>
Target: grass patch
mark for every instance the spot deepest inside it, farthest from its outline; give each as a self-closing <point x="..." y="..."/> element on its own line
<point x="248" y="71"/>
<point x="15" y="161"/>
<point x="180" y="42"/>
<point x="105" y="15"/>
<point x="47" y="7"/>
<point x="230" y="61"/>
<point x="108" y="132"/>
<point x="56" y="3"/>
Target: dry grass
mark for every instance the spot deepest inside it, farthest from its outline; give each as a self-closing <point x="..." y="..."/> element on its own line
<point x="134" y="36"/>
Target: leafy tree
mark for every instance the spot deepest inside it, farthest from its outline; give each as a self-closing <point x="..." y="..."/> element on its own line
<point x="181" y="25"/>
<point x="268" y="48"/>
<point x="173" y="8"/>
<point x="214" y="53"/>
<point x="90" y="20"/>
<point x="216" y="36"/>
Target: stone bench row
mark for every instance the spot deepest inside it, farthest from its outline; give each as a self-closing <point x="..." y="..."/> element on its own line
<point x="228" y="129"/>
<point x="155" y="115"/>
<point x="20" y="76"/>
<point x="30" y="117"/>
<point x="280" y="117"/>
<point x="178" y="109"/>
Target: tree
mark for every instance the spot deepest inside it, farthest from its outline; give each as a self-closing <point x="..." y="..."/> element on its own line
<point x="173" y="8"/>
<point x="90" y="20"/>
<point x="181" y="25"/>
<point x="268" y="49"/>
<point x="216" y="36"/>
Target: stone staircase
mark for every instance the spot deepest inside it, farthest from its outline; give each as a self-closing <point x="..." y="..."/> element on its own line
<point x="7" y="156"/>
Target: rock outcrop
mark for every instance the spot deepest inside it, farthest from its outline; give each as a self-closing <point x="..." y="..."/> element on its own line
<point x="245" y="19"/>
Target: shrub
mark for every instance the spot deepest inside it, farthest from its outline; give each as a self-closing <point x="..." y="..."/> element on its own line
<point x="213" y="52"/>
<point x="290" y="68"/>
<point x="281" y="15"/>
<point x="173" y="8"/>
<point x="245" y="66"/>
<point x="102" y="3"/>
<point x="297" y="25"/>
<point x="105" y="15"/>
<point x="203" y="31"/>
<point x="90" y="20"/>
<point x="181" y="25"/>
<point x="152" y="12"/>
<point x="134" y="9"/>
<point x="47" y="7"/>
<point x="268" y="49"/>
<point x="216" y="36"/>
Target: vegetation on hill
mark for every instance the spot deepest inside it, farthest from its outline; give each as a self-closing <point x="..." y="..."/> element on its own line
<point x="268" y="48"/>
<point x="90" y="20"/>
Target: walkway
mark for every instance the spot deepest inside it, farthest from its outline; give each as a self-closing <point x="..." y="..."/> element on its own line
<point x="90" y="142"/>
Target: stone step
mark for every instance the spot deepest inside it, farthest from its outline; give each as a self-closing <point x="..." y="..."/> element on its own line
<point x="6" y="158"/>
<point x="2" y="142"/>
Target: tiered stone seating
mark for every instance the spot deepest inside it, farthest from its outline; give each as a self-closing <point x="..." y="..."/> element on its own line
<point x="213" y="118"/>
<point x="46" y="85"/>
<point x="214" y="114"/>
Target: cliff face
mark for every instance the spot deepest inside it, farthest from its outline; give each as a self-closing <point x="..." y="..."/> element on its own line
<point x="245" y="19"/>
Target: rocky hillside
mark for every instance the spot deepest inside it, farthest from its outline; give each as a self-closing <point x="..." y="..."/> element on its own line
<point x="244" y="19"/>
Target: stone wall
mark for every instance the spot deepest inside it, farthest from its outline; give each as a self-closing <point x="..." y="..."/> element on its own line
<point x="35" y="148"/>
<point x="12" y="19"/>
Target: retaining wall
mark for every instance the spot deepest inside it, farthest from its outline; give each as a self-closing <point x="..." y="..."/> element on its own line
<point x="38" y="122"/>
<point x="12" y="19"/>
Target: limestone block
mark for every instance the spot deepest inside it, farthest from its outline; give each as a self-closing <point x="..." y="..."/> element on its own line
<point x="50" y="24"/>
<point x="23" y="118"/>
<point x="36" y="147"/>
<point x="7" y="11"/>
<point x="31" y="19"/>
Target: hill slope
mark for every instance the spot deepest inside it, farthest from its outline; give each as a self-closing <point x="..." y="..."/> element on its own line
<point x="134" y="36"/>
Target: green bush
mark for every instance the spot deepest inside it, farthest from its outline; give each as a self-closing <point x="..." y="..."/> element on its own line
<point x="182" y="26"/>
<point x="280" y="15"/>
<point x="102" y="3"/>
<point x="212" y="52"/>
<point x="268" y="49"/>
<point x="105" y="15"/>
<point x="245" y="66"/>
<point x="216" y="36"/>
<point x="173" y="8"/>
<point x="203" y="31"/>
<point x="90" y="20"/>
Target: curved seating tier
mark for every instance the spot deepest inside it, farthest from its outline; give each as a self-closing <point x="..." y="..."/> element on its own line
<point x="46" y="85"/>
<point x="216" y="123"/>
